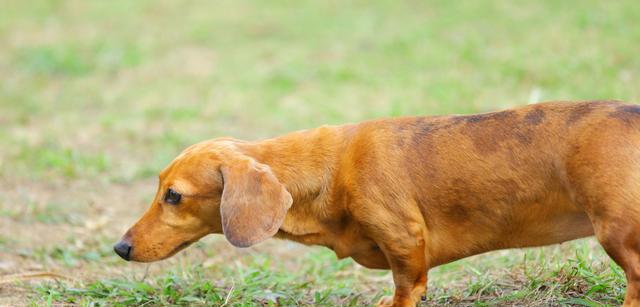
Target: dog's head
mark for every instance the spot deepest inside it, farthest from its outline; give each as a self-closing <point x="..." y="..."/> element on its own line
<point x="211" y="187"/>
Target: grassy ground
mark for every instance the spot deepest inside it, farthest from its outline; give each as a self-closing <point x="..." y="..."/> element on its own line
<point x="97" y="96"/>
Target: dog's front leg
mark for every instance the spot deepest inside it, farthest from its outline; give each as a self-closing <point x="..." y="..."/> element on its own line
<point x="406" y="257"/>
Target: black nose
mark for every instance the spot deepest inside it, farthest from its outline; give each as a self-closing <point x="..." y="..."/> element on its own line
<point x="123" y="249"/>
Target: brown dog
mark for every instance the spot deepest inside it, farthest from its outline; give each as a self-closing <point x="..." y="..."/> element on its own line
<point x="411" y="193"/>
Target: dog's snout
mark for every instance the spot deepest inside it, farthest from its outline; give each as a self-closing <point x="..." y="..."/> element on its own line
<point x="123" y="249"/>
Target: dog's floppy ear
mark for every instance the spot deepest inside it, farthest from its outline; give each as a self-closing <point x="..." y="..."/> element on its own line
<point x="254" y="203"/>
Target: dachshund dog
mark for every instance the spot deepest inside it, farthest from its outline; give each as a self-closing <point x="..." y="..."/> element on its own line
<point x="411" y="193"/>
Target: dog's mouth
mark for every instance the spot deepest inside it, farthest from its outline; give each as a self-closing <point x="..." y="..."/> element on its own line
<point x="180" y="247"/>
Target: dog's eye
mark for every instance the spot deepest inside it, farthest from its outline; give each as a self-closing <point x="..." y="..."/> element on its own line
<point x="172" y="197"/>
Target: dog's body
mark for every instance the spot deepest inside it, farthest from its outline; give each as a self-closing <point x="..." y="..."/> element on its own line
<point x="412" y="193"/>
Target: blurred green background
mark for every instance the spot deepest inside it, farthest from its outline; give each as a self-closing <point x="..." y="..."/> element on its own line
<point x="97" y="96"/>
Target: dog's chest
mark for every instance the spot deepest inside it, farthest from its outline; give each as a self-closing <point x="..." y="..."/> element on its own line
<point x="367" y="254"/>
<point x="351" y="243"/>
<point x="346" y="240"/>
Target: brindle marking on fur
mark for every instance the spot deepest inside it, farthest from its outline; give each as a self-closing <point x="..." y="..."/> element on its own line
<point x="487" y="141"/>
<point x="424" y="150"/>
<point x="462" y="201"/>
<point x="423" y="129"/>
<point x="457" y="211"/>
<point x="524" y="136"/>
<point x="488" y="137"/>
<point x="502" y="115"/>
<point x="534" y="117"/>
<point x="627" y="114"/>
<point x="579" y="112"/>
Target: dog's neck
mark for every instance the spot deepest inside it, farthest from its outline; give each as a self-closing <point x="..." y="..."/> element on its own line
<point x="305" y="162"/>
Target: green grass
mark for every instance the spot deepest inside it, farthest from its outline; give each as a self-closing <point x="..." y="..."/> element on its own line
<point x="260" y="281"/>
<point x="97" y="97"/>
<point x="541" y="280"/>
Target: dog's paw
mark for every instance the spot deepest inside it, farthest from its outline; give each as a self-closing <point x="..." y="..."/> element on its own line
<point x="385" y="301"/>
